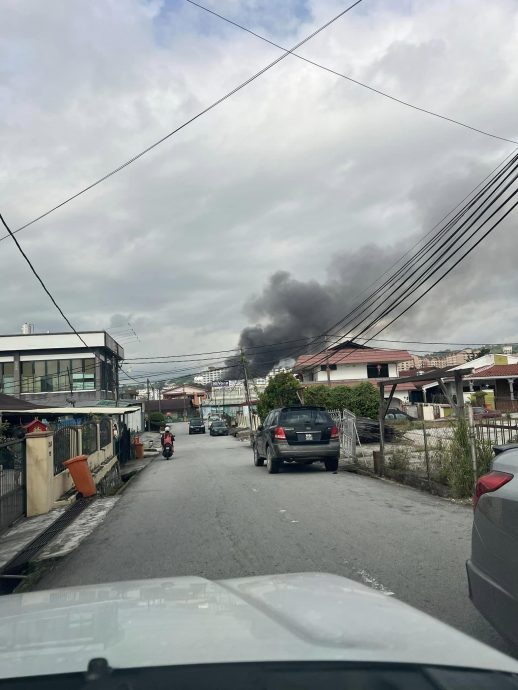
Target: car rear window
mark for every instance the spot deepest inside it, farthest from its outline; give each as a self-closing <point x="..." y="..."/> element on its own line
<point x="294" y="417"/>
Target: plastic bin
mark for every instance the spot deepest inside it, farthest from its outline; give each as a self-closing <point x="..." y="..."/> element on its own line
<point x="81" y="475"/>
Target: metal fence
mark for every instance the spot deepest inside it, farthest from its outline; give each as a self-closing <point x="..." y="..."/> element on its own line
<point x="497" y="431"/>
<point x="105" y="432"/>
<point x="65" y="447"/>
<point x="346" y="423"/>
<point x="12" y="482"/>
<point x="89" y="434"/>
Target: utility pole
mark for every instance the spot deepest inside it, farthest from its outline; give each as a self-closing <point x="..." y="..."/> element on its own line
<point x="247" y="391"/>
<point x="147" y="384"/>
<point x="159" y="398"/>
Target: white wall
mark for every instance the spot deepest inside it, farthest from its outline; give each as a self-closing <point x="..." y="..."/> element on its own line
<point x="345" y="372"/>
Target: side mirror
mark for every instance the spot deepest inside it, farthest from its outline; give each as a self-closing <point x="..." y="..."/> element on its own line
<point x="260" y="427"/>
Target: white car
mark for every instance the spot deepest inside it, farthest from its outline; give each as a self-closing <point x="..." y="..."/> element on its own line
<point x="305" y="630"/>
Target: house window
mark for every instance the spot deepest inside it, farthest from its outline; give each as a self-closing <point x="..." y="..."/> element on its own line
<point x="54" y="375"/>
<point x="377" y="371"/>
<point x="332" y="367"/>
<point x="7" y="377"/>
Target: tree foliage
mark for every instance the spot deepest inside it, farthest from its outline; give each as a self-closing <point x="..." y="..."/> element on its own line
<point x="156" y="419"/>
<point x="362" y="399"/>
<point x="280" y="391"/>
<point x="475" y="355"/>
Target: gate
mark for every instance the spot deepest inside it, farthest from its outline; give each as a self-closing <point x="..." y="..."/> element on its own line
<point x="13" y="492"/>
<point x="346" y="423"/>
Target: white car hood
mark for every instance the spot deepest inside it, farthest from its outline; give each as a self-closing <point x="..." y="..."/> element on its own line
<point x="190" y="620"/>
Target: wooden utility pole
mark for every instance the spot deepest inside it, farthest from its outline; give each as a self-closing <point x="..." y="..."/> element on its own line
<point x="247" y="391"/>
<point x="148" y="389"/>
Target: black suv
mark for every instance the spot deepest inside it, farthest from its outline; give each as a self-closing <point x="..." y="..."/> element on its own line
<point x="196" y="426"/>
<point x="302" y="434"/>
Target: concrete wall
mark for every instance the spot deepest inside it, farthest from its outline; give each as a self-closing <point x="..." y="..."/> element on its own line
<point x="345" y="372"/>
<point x="40" y="472"/>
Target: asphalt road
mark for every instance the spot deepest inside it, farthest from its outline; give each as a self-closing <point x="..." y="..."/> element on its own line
<point x="210" y="512"/>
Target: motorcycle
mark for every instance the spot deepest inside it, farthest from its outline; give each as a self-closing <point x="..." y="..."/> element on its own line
<point x="167" y="450"/>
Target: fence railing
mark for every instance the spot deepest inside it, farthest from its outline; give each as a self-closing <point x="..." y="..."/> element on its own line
<point x="89" y="438"/>
<point x="105" y="432"/>
<point x="65" y="447"/>
<point x="497" y="431"/>
<point x="12" y="482"/>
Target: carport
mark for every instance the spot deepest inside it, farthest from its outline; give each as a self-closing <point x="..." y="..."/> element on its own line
<point x="436" y="376"/>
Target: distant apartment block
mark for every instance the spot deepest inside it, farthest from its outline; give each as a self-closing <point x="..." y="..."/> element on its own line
<point x="209" y="376"/>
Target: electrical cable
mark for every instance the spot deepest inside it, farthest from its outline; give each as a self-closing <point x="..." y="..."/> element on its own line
<point x="354" y="81"/>
<point x="39" y="278"/>
<point x="205" y="110"/>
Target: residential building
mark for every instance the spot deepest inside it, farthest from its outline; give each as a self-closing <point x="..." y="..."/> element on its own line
<point x="209" y="376"/>
<point x="57" y="368"/>
<point x="194" y="394"/>
<point x="437" y="361"/>
<point x="349" y="363"/>
<point x="277" y="370"/>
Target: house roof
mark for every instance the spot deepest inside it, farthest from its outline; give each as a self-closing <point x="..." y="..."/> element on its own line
<point x="493" y="371"/>
<point x="9" y="402"/>
<point x="352" y="356"/>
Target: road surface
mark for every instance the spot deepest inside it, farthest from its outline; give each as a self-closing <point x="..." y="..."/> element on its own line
<point x="210" y="512"/>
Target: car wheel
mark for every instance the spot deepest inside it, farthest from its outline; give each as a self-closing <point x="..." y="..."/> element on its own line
<point x="272" y="465"/>
<point x="331" y="464"/>
<point x="258" y="461"/>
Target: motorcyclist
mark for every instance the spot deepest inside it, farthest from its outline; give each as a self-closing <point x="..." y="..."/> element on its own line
<point x="167" y="437"/>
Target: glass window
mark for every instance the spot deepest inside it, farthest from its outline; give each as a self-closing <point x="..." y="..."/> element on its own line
<point x="7" y="377"/>
<point x="51" y="378"/>
<point x="39" y="376"/>
<point x="65" y="375"/>
<point x="27" y="377"/>
<point x="377" y="371"/>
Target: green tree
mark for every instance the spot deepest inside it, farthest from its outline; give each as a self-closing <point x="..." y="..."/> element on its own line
<point x="156" y="419"/>
<point x="318" y="395"/>
<point x="475" y="355"/>
<point x="280" y="391"/>
<point x="364" y="400"/>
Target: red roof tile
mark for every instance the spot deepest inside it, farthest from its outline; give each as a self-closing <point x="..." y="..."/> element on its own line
<point x="352" y="356"/>
<point x="494" y="371"/>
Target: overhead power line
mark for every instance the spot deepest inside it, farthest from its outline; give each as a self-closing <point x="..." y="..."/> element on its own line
<point x="39" y="278"/>
<point x="407" y="104"/>
<point x="187" y="122"/>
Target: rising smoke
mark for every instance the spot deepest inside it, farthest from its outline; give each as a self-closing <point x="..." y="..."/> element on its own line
<point x="289" y="309"/>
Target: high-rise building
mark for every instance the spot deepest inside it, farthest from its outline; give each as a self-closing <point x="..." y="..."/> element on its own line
<point x="209" y="376"/>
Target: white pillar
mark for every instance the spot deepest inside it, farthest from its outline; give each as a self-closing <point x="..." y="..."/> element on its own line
<point x="511" y="389"/>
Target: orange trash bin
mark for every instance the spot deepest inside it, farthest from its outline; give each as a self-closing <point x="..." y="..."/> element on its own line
<point x="139" y="450"/>
<point x="81" y="475"/>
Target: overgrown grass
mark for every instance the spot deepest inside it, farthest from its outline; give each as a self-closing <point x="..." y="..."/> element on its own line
<point x="399" y="460"/>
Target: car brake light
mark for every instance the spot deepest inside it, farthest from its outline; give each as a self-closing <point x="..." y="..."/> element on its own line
<point x="280" y="434"/>
<point x="334" y="432"/>
<point x="490" y="482"/>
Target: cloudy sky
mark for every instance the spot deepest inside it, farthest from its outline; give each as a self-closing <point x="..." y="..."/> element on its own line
<point x="301" y="171"/>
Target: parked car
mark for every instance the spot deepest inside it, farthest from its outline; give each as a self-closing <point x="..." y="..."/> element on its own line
<point x="196" y="426"/>
<point x="396" y="415"/>
<point x="301" y="434"/>
<point x="218" y="428"/>
<point x="493" y="566"/>
<point x="484" y="413"/>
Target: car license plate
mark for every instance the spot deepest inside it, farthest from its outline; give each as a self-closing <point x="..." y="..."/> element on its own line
<point x="309" y="437"/>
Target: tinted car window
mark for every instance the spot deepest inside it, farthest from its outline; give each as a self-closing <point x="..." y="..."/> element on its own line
<point x="294" y="417"/>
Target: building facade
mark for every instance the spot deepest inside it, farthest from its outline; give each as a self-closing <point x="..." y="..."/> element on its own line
<point x="209" y="376"/>
<point x="57" y="368"/>
<point x="349" y="363"/>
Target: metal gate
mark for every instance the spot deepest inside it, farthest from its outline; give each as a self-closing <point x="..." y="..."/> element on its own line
<point x="346" y="423"/>
<point x="13" y="491"/>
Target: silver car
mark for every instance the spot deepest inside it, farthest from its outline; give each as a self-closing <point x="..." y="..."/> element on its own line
<point x="493" y="566"/>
